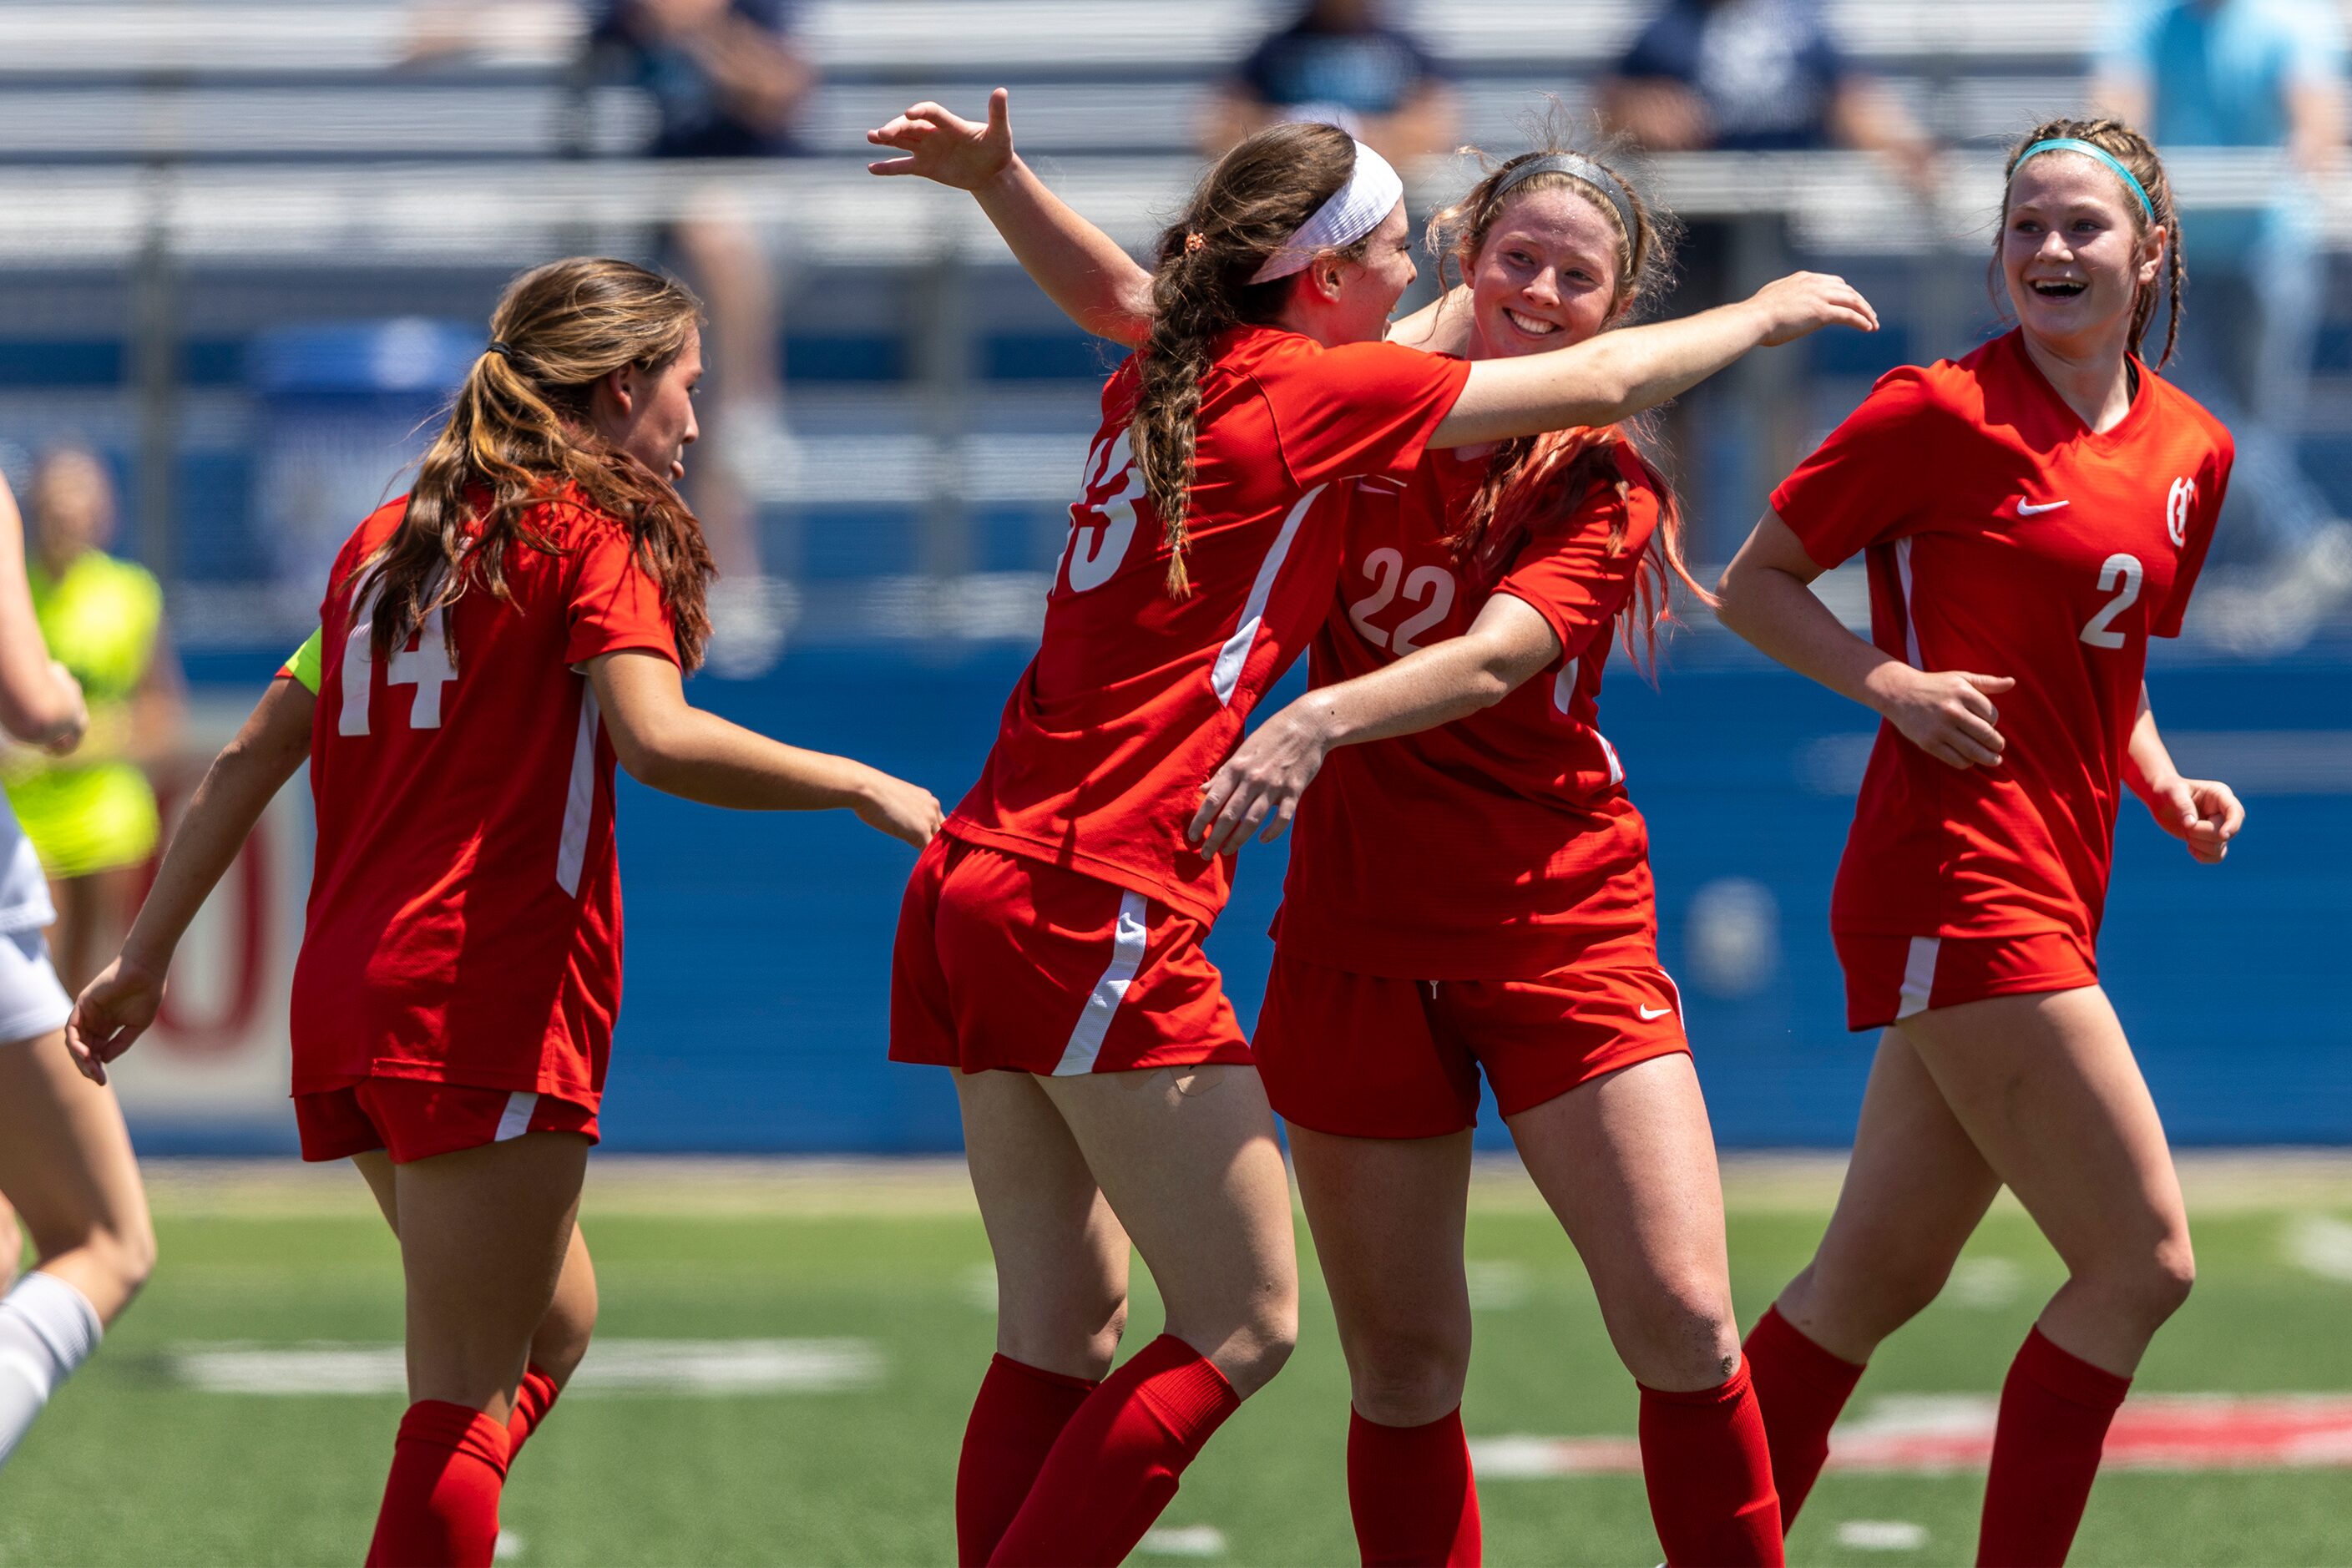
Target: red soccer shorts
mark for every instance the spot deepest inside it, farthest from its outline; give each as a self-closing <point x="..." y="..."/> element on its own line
<point x="1889" y="978"/>
<point x="1016" y="964"/>
<point x="412" y="1119"/>
<point x="1361" y="1056"/>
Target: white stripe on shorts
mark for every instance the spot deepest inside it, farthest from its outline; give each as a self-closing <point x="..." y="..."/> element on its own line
<point x="517" y="1119"/>
<point x="1126" y="958"/>
<point x="1918" y="975"/>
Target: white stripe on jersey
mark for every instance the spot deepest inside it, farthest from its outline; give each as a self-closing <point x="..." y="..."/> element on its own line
<point x="1918" y="975"/>
<point x="1125" y="957"/>
<point x="1910" y="619"/>
<point x="1226" y="675"/>
<point x="580" y="802"/>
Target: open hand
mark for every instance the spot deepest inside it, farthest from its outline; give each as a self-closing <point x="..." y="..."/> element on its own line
<point x="115" y="1010"/>
<point x="1805" y="302"/>
<point x="2203" y="813"/>
<point x="1947" y="713"/>
<point x="947" y="147"/>
<point x="1259" y="785"/>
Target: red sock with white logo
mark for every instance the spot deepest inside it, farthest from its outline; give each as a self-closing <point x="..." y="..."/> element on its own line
<point x="1411" y="1491"/>
<point x="1018" y="1413"/>
<point x="2055" y="1408"/>
<point x="1709" y="1474"/>
<point x="441" y="1500"/>
<point x="1801" y="1388"/>
<point x="1115" y="1465"/>
<point x="534" y="1397"/>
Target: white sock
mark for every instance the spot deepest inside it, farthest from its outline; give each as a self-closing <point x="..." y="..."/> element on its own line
<point x="46" y="1328"/>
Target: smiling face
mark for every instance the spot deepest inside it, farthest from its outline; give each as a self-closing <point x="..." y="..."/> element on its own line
<point x="2075" y="253"/>
<point x="649" y="414"/>
<point x="1357" y="296"/>
<point x="1546" y="275"/>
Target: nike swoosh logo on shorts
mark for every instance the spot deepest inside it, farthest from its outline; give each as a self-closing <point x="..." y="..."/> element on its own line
<point x="1654" y="1012"/>
<point x="2035" y="509"/>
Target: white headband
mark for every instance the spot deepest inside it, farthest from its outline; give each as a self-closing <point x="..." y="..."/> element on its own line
<point x="1355" y="210"/>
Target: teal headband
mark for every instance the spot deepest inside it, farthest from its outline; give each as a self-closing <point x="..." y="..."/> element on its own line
<point x="2092" y="149"/>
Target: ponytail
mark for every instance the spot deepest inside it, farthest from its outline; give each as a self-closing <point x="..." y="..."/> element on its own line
<point x="519" y="437"/>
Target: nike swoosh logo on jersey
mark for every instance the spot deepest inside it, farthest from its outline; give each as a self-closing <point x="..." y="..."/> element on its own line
<point x="1655" y="1012"/>
<point x="2035" y="509"/>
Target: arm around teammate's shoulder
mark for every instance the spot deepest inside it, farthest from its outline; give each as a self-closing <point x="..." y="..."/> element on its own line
<point x="1618" y="375"/>
<point x="667" y="743"/>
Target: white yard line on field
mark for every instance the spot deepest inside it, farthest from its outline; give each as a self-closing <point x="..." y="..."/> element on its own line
<point x="692" y="1367"/>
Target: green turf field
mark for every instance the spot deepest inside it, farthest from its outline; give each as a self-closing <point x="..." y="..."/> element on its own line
<point x="132" y="1465"/>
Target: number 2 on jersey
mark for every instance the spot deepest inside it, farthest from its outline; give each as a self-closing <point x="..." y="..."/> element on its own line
<point x="1430" y="588"/>
<point x="426" y="666"/>
<point x="2119" y="575"/>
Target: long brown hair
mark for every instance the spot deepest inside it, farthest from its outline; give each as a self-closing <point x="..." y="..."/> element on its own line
<point x="2135" y="152"/>
<point x="519" y="437"/>
<point x="1245" y="209"/>
<point x="1534" y="481"/>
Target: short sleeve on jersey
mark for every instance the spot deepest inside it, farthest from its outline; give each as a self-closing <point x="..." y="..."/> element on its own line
<point x="1570" y="575"/>
<point x="303" y="666"/>
<point x="2204" y="514"/>
<point x="612" y="601"/>
<point x="1361" y="410"/>
<point x="1865" y="483"/>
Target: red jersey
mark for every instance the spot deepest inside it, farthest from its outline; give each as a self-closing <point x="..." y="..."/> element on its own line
<point x="1135" y="698"/>
<point x="2003" y="537"/>
<point x="1498" y="846"/>
<point x="465" y="916"/>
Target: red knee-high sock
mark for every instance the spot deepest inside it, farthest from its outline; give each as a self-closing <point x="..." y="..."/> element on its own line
<point x="1019" y="1412"/>
<point x="1115" y="1466"/>
<point x="1801" y="1388"/>
<point x="1710" y="1472"/>
<point x="1412" y="1493"/>
<point x="2054" y="1411"/>
<point x="441" y="1502"/>
<point x="534" y="1396"/>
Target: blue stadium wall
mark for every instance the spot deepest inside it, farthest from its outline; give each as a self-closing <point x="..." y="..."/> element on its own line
<point x="759" y="947"/>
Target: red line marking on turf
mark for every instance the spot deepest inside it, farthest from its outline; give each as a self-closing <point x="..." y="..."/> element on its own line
<point x="1934" y="1435"/>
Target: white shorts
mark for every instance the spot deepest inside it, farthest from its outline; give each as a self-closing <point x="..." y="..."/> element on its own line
<point x="32" y="1002"/>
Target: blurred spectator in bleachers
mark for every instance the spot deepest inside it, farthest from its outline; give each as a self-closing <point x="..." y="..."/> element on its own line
<point x="727" y="80"/>
<point x="92" y="816"/>
<point x="2245" y="73"/>
<point x="1343" y="63"/>
<point x="1745" y="75"/>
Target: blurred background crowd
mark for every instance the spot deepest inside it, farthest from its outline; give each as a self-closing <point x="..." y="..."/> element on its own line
<point x="250" y="244"/>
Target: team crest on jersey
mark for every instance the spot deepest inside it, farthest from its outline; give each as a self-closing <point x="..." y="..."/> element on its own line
<point x="2176" y="509"/>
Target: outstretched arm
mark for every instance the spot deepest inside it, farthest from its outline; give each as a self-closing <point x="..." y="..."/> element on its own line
<point x="2203" y="813"/>
<point x="1096" y="282"/>
<point x="1618" y="375"/>
<point x="1767" y="598"/>
<point x="1261" y="782"/>
<point x="671" y="746"/>
<point x="116" y="1006"/>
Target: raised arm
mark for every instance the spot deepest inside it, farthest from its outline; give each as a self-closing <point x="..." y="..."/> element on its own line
<point x="1619" y="374"/>
<point x="1261" y="782"/>
<point x="1766" y="598"/>
<point x="2203" y="813"/>
<point x="678" y="749"/>
<point x="116" y="1006"/>
<point x="1096" y="282"/>
<point x="40" y="703"/>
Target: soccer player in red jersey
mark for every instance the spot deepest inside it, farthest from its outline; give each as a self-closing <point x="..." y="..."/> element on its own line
<point x="2030" y="514"/>
<point x="491" y="645"/>
<point x="64" y="1158"/>
<point x="1474" y="891"/>
<point x="1053" y="934"/>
